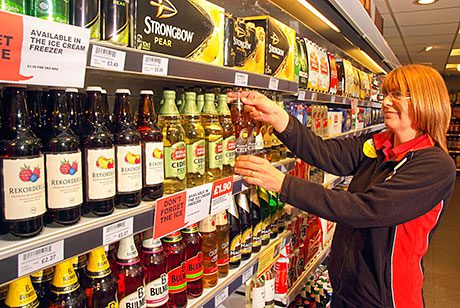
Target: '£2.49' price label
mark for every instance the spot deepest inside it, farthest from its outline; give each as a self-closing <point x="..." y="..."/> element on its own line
<point x="38" y="258"/>
<point x="221" y="195"/>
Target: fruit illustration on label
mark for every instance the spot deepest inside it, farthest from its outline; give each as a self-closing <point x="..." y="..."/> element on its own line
<point x="27" y="175"/>
<point x="68" y="168"/>
<point x="157" y="153"/>
<point x="133" y="159"/>
<point x="105" y="163"/>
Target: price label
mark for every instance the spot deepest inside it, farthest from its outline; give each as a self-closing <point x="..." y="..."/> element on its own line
<point x="314" y="96"/>
<point x="155" y="65"/>
<point x="248" y="274"/>
<point x="198" y="202"/>
<point x="221" y="195"/>
<point x="273" y="84"/>
<point x="344" y="100"/>
<point x="269" y="256"/>
<point x="301" y="95"/>
<point x="221" y="296"/>
<point x="108" y="58"/>
<point x="241" y="79"/>
<point x="38" y="258"/>
<point x="333" y="99"/>
<point x="117" y="231"/>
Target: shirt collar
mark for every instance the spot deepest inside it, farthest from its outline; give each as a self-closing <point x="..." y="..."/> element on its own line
<point x="384" y="141"/>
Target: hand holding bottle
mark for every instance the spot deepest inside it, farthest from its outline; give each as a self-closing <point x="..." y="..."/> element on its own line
<point x="262" y="108"/>
<point x="260" y="172"/>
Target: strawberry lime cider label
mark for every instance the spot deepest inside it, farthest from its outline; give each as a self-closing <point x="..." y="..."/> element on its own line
<point x="64" y="180"/>
<point x="157" y="291"/>
<point x="23" y="187"/>
<point x="174" y="159"/>
<point x="229" y="146"/>
<point x="129" y="168"/>
<point x="194" y="267"/>
<point x="177" y="279"/>
<point x="196" y="157"/>
<point x="134" y="300"/>
<point x="153" y="163"/>
<point x="100" y="173"/>
<point x="215" y="151"/>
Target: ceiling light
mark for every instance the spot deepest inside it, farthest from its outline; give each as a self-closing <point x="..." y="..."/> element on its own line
<point x="452" y="66"/>
<point x="372" y="61"/>
<point x="458" y="67"/>
<point x="313" y="10"/>
<point x="425" y="2"/>
<point x="428" y="48"/>
<point x="455" y="52"/>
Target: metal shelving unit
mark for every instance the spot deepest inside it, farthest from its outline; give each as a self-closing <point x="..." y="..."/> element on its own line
<point x="357" y="132"/>
<point x="324" y="98"/>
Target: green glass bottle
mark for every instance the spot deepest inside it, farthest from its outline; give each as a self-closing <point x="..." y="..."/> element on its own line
<point x="14" y="6"/>
<point x="51" y="10"/>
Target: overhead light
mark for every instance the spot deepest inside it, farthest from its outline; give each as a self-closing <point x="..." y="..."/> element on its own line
<point x="452" y="66"/>
<point x="428" y="48"/>
<point x="458" y="67"/>
<point x="372" y="61"/>
<point x="425" y="2"/>
<point x="455" y="52"/>
<point x="312" y="9"/>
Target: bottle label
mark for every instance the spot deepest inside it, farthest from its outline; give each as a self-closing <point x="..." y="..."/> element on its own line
<point x="258" y="296"/>
<point x="242" y="142"/>
<point x="268" y="137"/>
<point x="177" y="279"/>
<point x="64" y="180"/>
<point x="229" y="145"/>
<point x="65" y="279"/>
<point x="269" y="291"/>
<point x="153" y="163"/>
<point x="257" y="235"/>
<point x="21" y="294"/>
<point x="266" y="230"/>
<point x="112" y="304"/>
<point x="100" y="173"/>
<point x="23" y="187"/>
<point x="98" y="265"/>
<point x="157" y="291"/>
<point x="235" y="249"/>
<point x="259" y="141"/>
<point x="196" y="157"/>
<point x="194" y="267"/>
<point x="246" y="241"/>
<point x="211" y="259"/>
<point x="134" y="300"/>
<point x="215" y="151"/>
<point x="252" y="140"/>
<point x="223" y="254"/>
<point x="174" y="160"/>
<point x="129" y="168"/>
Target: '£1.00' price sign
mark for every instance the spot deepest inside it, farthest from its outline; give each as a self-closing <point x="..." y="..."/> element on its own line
<point x="221" y="195"/>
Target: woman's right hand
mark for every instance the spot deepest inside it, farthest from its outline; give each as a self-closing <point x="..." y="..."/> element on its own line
<point x="262" y="109"/>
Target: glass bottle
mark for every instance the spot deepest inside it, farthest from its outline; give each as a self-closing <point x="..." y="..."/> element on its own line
<point x="194" y="263"/>
<point x="177" y="277"/>
<point x="229" y="140"/>
<point x="180" y="98"/>
<point x="222" y="243"/>
<point x="37" y="111"/>
<point x="99" y="283"/>
<point x="267" y="135"/>
<point x="174" y="145"/>
<point x="265" y="215"/>
<point x="281" y="215"/>
<point x="172" y="95"/>
<point x="256" y="219"/>
<point x="195" y="141"/>
<point x="75" y="109"/>
<point x="130" y="274"/>
<point x="213" y="133"/>
<point x="269" y="276"/>
<point x="246" y="225"/>
<point x="65" y="288"/>
<point x="273" y="203"/>
<point x="22" y="179"/>
<point x="209" y="248"/>
<point x="152" y="148"/>
<point x="42" y="282"/>
<point x="128" y="151"/>
<point x="235" y="235"/>
<point x="99" y="157"/>
<point x="253" y="131"/>
<point x="21" y="293"/>
<point x="105" y="108"/>
<point x="79" y="264"/>
<point x="155" y="268"/>
<point x="64" y="194"/>
<point x="282" y="147"/>
<point x="240" y="118"/>
<point x="255" y="292"/>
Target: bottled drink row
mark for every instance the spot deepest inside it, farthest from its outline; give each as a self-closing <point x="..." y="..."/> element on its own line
<point x="64" y="155"/>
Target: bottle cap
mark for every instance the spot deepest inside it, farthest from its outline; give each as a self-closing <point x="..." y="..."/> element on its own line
<point x="221" y="218"/>
<point x="209" y="107"/>
<point x="151" y="243"/>
<point x="222" y="107"/>
<point x="209" y="96"/>
<point x="190" y="96"/>
<point x="190" y="107"/>
<point x="173" y="237"/>
<point x="123" y="91"/>
<point x="98" y="265"/>
<point x="71" y="90"/>
<point x="127" y="249"/>
<point x="193" y="228"/>
<point x="21" y="293"/>
<point x="146" y="92"/>
<point x="200" y="102"/>
<point x="94" y="89"/>
<point x="169" y="108"/>
<point x="169" y="94"/>
<point x="103" y="91"/>
<point x="65" y="279"/>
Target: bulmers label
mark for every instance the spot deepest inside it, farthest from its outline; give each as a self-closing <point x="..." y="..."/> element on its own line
<point x="157" y="291"/>
<point x="134" y="300"/>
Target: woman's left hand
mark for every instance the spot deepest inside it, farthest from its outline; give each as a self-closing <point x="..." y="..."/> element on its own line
<point x="258" y="171"/>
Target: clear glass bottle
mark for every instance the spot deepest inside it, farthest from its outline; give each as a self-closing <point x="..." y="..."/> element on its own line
<point x="240" y="118"/>
<point x="223" y="233"/>
<point x="255" y="292"/>
<point x="229" y="140"/>
<point x="209" y="248"/>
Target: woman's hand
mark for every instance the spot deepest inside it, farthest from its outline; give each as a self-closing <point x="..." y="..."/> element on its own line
<point x="260" y="172"/>
<point x="262" y="109"/>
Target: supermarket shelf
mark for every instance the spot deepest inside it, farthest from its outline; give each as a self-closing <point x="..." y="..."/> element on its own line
<point x="315" y="97"/>
<point x="455" y="119"/>
<point x="453" y="135"/>
<point x="235" y="279"/>
<point x="333" y="181"/>
<point x="357" y="132"/>
<point x="187" y="70"/>
<point x="285" y="300"/>
<point x="454" y="151"/>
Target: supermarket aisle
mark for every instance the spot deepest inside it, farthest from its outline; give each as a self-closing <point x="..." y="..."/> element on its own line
<point x="442" y="262"/>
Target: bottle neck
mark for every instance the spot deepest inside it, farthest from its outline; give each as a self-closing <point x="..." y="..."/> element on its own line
<point x="146" y="113"/>
<point x="59" y="117"/>
<point x="16" y="116"/>
<point x="122" y="110"/>
<point x="95" y="112"/>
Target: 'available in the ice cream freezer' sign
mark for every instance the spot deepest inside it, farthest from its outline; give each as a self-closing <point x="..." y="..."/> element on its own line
<point x="39" y="52"/>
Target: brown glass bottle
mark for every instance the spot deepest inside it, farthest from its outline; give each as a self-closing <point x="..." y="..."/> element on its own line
<point x="177" y="277"/>
<point x="37" y="111"/>
<point x="75" y="109"/>
<point x="79" y="264"/>
<point x="64" y="180"/>
<point x="194" y="263"/>
<point x="240" y="118"/>
<point x="152" y="148"/>
<point x="229" y="141"/>
<point x="21" y="293"/>
<point x="105" y="106"/>
<point x="128" y="151"/>
<point x="99" y="157"/>
<point x="222" y="243"/>
<point x="209" y="248"/>
<point x="42" y="282"/>
<point x="65" y="288"/>
<point x="256" y="219"/>
<point x="22" y="164"/>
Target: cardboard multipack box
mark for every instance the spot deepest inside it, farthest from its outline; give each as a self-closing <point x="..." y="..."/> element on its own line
<point x="279" y="46"/>
<point x="192" y="29"/>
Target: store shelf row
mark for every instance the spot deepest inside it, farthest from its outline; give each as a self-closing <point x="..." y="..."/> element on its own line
<point x="357" y="132"/>
<point x="453" y="135"/>
<point x="324" y="98"/>
<point x="454" y="151"/>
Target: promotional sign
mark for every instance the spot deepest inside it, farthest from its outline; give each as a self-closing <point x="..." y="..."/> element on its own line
<point x="221" y="195"/>
<point x="39" y="52"/>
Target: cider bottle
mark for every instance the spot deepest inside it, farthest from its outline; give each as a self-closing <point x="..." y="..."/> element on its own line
<point x="180" y="98"/>
<point x="65" y="288"/>
<point x="64" y="194"/>
<point x="130" y="274"/>
<point x="41" y="281"/>
<point x="171" y="94"/>
<point x="265" y="215"/>
<point x="177" y="277"/>
<point x="209" y="248"/>
<point x="128" y="152"/>
<point x="214" y="139"/>
<point x="282" y="147"/>
<point x="99" y="283"/>
<point x="105" y="108"/>
<point x="253" y="131"/>
<point x="174" y="145"/>
<point x="246" y="225"/>
<point x="37" y="112"/>
<point x="155" y="268"/>
<point x="255" y="219"/>
<point x="267" y="135"/>
<point x="273" y="203"/>
<point x="194" y="263"/>
<point x="22" y="200"/>
<point x="79" y="264"/>
<point x="73" y="99"/>
<point x="223" y="237"/>
<point x="152" y="148"/>
<point x="199" y="102"/>
<point x="229" y="140"/>
<point x="195" y="141"/>
<point x="234" y="236"/>
<point x="21" y="293"/>
<point x="239" y="119"/>
<point x="99" y="157"/>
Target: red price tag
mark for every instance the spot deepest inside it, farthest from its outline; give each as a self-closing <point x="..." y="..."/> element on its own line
<point x="221" y="195"/>
<point x="169" y="214"/>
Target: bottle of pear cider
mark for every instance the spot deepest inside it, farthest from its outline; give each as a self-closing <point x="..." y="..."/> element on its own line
<point x="229" y="140"/>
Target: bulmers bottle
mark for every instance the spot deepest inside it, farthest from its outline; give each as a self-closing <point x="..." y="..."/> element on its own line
<point x="229" y="140"/>
<point x="99" y="157"/>
<point x="152" y="148"/>
<point x="246" y="225"/>
<point x="194" y="263"/>
<point x="128" y="152"/>
<point x="235" y="235"/>
<point x="65" y="288"/>
<point x="21" y="293"/>
<point x="22" y="178"/>
<point x="209" y="248"/>
<point x="64" y="195"/>
<point x="177" y="277"/>
<point x="222" y="243"/>
<point x="257" y="224"/>
<point x="42" y="282"/>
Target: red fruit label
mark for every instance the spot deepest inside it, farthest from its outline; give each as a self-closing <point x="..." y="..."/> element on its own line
<point x="129" y="169"/>
<point x="177" y="279"/>
<point x="100" y="173"/>
<point x="324" y="69"/>
<point x="153" y="165"/>
<point x="194" y="267"/>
